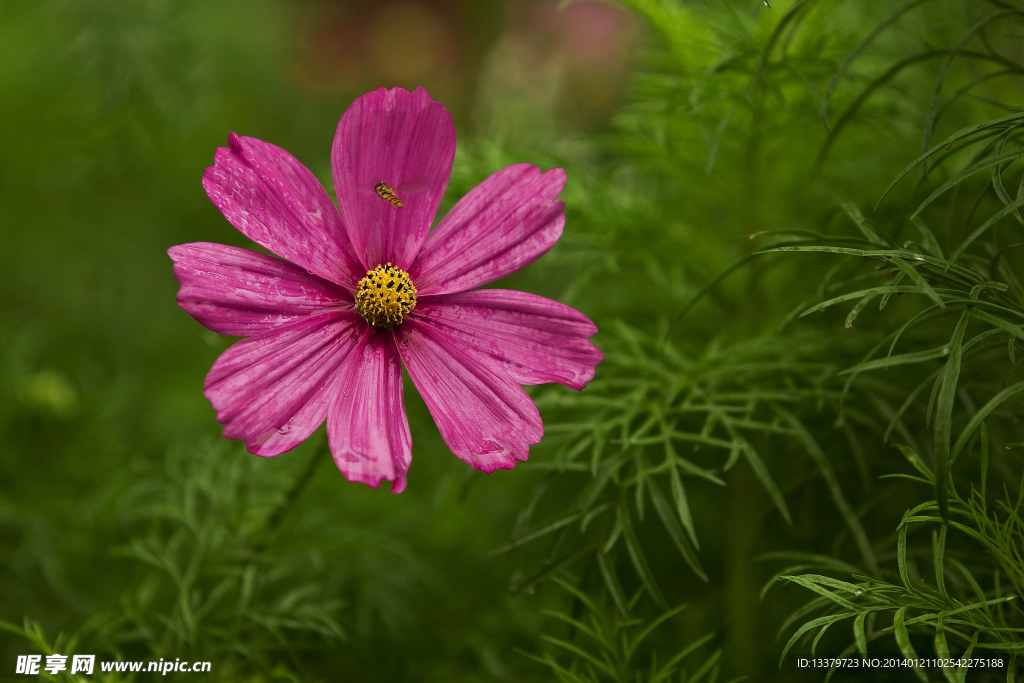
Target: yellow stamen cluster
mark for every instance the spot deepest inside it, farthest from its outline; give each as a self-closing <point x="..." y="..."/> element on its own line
<point x="385" y="296"/>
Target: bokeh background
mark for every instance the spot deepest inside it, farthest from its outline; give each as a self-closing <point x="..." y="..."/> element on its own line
<point x="131" y="529"/>
<point x="111" y="111"/>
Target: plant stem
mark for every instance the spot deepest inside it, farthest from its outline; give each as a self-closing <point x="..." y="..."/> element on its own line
<point x="301" y="482"/>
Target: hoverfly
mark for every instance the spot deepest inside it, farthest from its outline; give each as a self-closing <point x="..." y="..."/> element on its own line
<point x="385" y="192"/>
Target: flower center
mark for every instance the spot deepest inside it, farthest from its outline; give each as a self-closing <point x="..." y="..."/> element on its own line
<point x="385" y="296"/>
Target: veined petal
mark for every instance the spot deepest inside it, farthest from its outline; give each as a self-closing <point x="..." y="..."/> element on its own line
<point x="503" y="224"/>
<point x="484" y="417"/>
<point x="537" y="340"/>
<point x="278" y="203"/>
<point x="240" y="292"/>
<point x="273" y="390"/>
<point x="406" y="141"/>
<point x="366" y="425"/>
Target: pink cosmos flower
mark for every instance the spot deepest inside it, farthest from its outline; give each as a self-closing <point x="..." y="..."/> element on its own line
<point x="362" y="290"/>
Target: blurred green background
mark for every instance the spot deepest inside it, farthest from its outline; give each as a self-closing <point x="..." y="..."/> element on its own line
<point x="110" y="112"/>
<point x="128" y="523"/>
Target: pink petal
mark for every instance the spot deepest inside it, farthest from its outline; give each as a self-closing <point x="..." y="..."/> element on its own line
<point x="503" y="224"/>
<point x="484" y="417"/>
<point x="240" y="292"/>
<point x="536" y="339"/>
<point x="273" y="390"/>
<point x="406" y="141"/>
<point x="278" y="203"/>
<point x="366" y="424"/>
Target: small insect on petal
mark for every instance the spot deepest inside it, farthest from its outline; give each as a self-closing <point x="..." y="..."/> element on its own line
<point x="385" y="192"/>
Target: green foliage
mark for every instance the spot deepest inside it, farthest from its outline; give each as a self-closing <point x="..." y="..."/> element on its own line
<point x="673" y="419"/>
<point x="213" y="586"/>
<point x="617" y="641"/>
<point x="956" y="297"/>
<point x="956" y="613"/>
<point x="33" y="633"/>
<point x="978" y="288"/>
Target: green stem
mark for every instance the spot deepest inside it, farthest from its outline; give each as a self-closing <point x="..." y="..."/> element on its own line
<point x="301" y="482"/>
